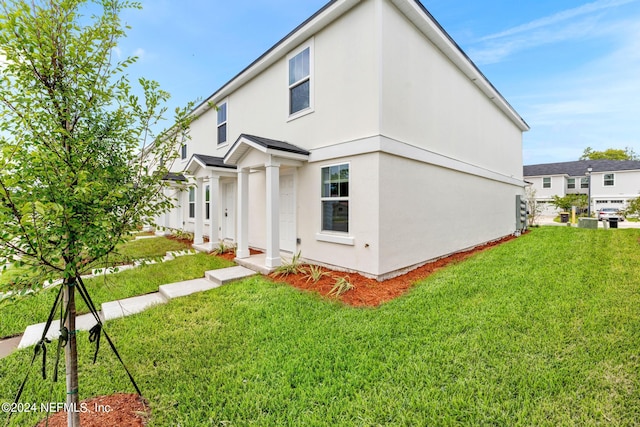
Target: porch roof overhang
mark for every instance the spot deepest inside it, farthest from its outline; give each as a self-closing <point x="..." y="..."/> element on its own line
<point x="174" y="177"/>
<point x="281" y="149"/>
<point x="211" y="163"/>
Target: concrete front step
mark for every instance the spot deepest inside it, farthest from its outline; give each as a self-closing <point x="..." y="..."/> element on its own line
<point x="129" y="306"/>
<point x="230" y="274"/>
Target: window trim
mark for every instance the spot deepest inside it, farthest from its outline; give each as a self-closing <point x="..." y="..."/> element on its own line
<point x="604" y="180"/>
<point x="584" y="182"/>
<point x="331" y="235"/>
<point x="224" y="102"/>
<point x="310" y="109"/>
<point x="571" y="183"/>
<point x="543" y="183"/>
<point x="207" y="202"/>
<point x="183" y="151"/>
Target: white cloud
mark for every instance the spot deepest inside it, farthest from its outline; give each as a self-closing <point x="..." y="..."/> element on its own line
<point x="140" y="53"/>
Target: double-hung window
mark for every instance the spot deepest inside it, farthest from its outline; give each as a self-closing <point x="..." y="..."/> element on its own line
<point x="571" y="183"/>
<point x="335" y="198"/>
<point x="584" y="182"/>
<point x="300" y="81"/>
<point x="222" y="123"/>
<point x="183" y="151"/>
<point x="192" y="203"/>
<point x="609" y="180"/>
<point x="546" y="182"/>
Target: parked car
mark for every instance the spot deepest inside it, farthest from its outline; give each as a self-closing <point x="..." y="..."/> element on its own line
<point x="608" y="213"/>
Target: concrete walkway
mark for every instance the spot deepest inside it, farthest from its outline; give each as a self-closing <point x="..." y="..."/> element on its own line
<point x="126" y="307"/>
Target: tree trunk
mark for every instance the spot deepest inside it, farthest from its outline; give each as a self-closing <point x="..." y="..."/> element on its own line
<point x="71" y="356"/>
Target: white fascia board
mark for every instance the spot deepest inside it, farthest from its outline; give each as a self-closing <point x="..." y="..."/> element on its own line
<point x="435" y="34"/>
<point x="278" y="51"/>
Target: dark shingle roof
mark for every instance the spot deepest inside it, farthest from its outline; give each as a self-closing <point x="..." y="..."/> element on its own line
<point x="216" y="162"/>
<point x="274" y="144"/>
<point x="579" y="168"/>
<point x="173" y="176"/>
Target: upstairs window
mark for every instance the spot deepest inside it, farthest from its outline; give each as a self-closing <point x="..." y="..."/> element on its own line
<point x="571" y="183"/>
<point x="335" y="198"/>
<point x="584" y="182"/>
<point x="609" y="180"/>
<point x="183" y="151"/>
<point x="546" y="182"/>
<point x="222" y="123"/>
<point x="300" y="81"/>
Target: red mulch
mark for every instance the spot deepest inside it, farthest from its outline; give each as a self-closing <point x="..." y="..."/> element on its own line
<point x="370" y="292"/>
<point x="121" y="410"/>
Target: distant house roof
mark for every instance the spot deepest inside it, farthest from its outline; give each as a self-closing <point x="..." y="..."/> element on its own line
<point x="579" y="168"/>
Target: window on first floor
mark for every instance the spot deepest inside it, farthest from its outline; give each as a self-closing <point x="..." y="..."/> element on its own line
<point x="571" y="183"/>
<point x="192" y="202"/>
<point x="335" y="198"/>
<point x="609" y="180"/>
<point x="207" y="201"/>
<point x="546" y="182"/>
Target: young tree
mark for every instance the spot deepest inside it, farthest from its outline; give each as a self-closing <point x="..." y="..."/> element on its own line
<point x="633" y="208"/>
<point x="565" y="203"/>
<point x="79" y="162"/>
<point x="534" y="208"/>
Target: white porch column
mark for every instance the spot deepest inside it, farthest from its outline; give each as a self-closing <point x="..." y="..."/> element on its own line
<point x="242" y="250"/>
<point x="214" y="202"/>
<point x="273" y="214"/>
<point x="165" y="220"/>
<point x="199" y="217"/>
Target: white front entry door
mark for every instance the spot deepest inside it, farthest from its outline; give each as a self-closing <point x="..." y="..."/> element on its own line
<point x="287" y="214"/>
<point x="228" y="222"/>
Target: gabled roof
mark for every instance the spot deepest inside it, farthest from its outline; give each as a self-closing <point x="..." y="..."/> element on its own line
<point x="579" y="167"/>
<point x="265" y="145"/>
<point x="173" y="176"/>
<point x="215" y="162"/>
<point x="415" y="12"/>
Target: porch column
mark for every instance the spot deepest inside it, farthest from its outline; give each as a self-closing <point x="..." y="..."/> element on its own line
<point x="214" y="202"/>
<point x="165" y="220"/>
<point x="273" y="214"/>
<point x="242" y="250"/>
<point x="199" y="217"/>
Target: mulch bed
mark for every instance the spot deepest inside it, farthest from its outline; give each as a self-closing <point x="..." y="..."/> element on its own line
<point x="370" y="292"/>
<point x="121" y="410"/>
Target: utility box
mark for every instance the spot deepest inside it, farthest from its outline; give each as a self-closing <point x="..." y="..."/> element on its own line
<point x="521" y="213"/>
<point x="588" y="223"/>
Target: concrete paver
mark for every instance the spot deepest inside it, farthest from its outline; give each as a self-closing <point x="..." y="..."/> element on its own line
<point x="188" y="287"/>
<point x="126" y="307"/>
<point x="230" y="274"/>
<point x="33" y="333"/>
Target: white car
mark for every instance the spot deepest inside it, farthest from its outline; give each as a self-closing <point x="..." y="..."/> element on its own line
<point x="609" y="213"/>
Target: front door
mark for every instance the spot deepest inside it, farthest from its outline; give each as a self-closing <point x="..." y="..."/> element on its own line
<point x="228" y="222"/>
<point x="287" y="214"/>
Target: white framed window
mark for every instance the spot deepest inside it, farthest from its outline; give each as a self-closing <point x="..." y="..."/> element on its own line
<point x="609" y="179"/>
<point x="222" y="123"/>
<point x="300" y="81"/>
<point x="546" y="182"/>
<point x="192" y="202"/>
<point x="183" y="151"/>
<point x="207" y="201"/>
<point x="335" y="198"/>
<point x="584" y="182"/>
<point x="571" y="183"/>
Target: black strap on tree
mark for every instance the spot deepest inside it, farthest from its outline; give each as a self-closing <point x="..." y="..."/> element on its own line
<point x="40" y="347"/>
<point x="95" y="332"/>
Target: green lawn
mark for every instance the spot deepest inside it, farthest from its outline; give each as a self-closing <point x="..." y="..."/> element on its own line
<point x="543" y="330"/>
<point x="15" y="317"/>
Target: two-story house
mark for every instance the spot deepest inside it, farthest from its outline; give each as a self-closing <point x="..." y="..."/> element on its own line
<point x="613" y="182"/>
<point x="365" y="139"/>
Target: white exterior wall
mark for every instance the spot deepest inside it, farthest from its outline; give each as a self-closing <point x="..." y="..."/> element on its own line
<point x="558" y="186"/>
<point x="429" y="211"/>
<point x="428" y="102"/>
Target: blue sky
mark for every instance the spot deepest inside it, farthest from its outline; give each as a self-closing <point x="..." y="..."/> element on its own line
<point x="571" y="68"/>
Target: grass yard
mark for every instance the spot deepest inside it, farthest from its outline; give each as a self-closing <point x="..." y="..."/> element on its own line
<point x="543" y="330"/>
<point x="15" y="317"/>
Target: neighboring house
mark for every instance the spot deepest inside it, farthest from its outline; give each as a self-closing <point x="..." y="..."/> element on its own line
<point x="365" y="139"/>
<point x="613" y="182"/>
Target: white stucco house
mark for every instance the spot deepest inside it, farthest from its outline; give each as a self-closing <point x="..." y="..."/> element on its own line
<point x="613" y="182"/>
<point x="365" y="139"/>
